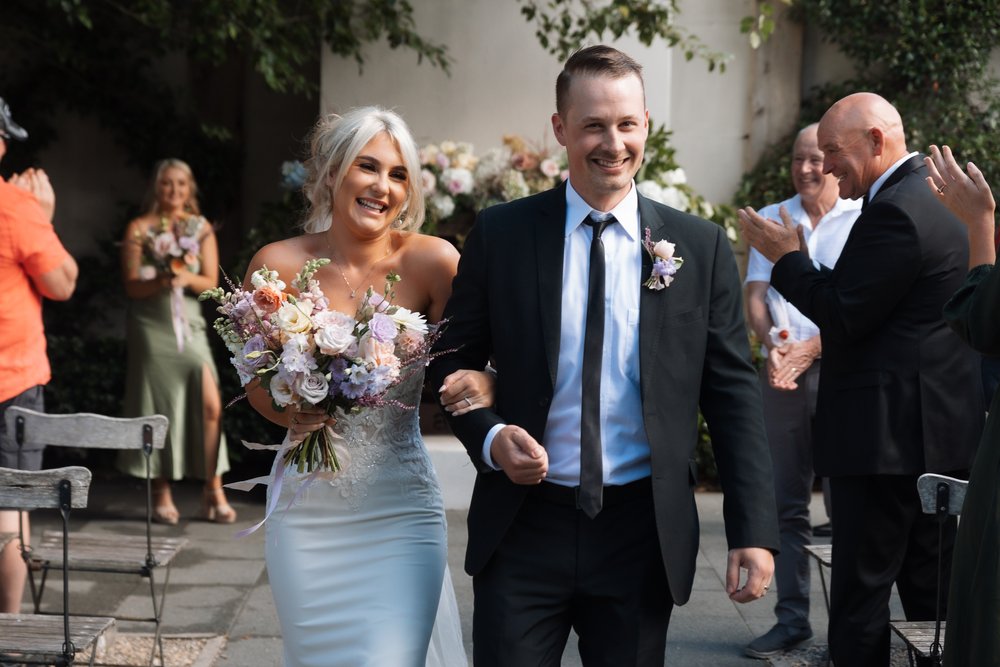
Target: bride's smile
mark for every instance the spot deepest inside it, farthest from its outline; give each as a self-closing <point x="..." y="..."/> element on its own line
<point x="374" y="189"/>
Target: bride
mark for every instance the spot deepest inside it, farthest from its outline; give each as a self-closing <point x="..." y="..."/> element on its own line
<point x="357" y="565"/>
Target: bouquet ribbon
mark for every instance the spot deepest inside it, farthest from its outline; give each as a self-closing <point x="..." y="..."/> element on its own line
<point x="182" y="328"/>
<point x="276" y="479"/>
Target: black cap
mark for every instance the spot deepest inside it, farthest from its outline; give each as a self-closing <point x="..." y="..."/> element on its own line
<point x="8" y="128"/>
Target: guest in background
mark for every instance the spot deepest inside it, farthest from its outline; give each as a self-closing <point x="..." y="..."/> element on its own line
<point x="790" y="380"/>
<point x="33" y="265"/>
<point x="169" y="256"/>
<point x="899" y="395"/>
<point x="973" y="636"/>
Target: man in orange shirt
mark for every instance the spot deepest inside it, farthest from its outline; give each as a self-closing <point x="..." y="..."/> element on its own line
<point x="33" y="265"/>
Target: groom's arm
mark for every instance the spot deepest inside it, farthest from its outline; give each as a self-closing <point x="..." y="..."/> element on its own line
<point x="731" y="404"/>
<point x="467" y="339"/>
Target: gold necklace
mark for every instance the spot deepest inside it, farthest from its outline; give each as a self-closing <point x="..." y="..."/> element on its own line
<point x="343" y="275"/>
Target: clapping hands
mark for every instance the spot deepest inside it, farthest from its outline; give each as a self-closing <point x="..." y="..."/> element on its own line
<point x="36" y="181"/>
<point x="968" y="197"/>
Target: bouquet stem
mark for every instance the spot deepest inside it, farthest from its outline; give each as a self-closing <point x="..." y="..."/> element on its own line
<point x="315" y="452"/>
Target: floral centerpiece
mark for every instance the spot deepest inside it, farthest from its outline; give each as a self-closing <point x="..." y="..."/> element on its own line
<point x="305" y="353"/>
<point x="168" y="247"/>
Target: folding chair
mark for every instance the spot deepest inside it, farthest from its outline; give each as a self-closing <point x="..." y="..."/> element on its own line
<point x="139" y="555"/>
<point x="32" y="639"/>
<point x="943" y="497"/>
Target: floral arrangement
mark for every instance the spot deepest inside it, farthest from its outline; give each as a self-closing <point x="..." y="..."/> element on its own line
<point x="303" y="352"/>
<point x="665" y="263"/>
<point x="170" y="246"/>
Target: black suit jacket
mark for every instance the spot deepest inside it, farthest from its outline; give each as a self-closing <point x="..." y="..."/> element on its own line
<point x="505" y="306"/>
<point x="899" y="392"/>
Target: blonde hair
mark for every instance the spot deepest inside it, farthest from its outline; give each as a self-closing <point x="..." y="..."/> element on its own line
<point x="191" y="205"/>
<point x="336" y="141"/>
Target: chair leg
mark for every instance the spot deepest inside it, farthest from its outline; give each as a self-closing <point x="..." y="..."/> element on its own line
<point x="37" y="589"/>
<point x="158" y="606"/>
<point x="826" y="593"/>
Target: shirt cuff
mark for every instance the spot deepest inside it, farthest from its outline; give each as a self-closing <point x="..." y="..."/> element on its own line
<point x="488" y="442"/>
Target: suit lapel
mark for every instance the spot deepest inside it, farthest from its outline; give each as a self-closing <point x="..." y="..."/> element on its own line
<point x="550" y="232"/>
<point x="649" y="299"/>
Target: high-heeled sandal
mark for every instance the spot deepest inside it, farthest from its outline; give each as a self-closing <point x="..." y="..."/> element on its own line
<point x="164" y="510"/>
<point x="214" y="506"/>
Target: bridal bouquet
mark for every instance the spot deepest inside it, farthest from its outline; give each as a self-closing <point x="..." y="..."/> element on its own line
<point x="305" y="353"/>
<point x="167" y="248"/>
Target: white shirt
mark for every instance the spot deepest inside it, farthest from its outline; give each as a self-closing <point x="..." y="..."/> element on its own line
<point x="877" y="185"/>
<point x="623" y="436"/>
<point x="825" y="244"/>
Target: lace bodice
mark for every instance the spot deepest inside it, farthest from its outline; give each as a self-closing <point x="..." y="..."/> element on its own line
<point x="383" y="446"/>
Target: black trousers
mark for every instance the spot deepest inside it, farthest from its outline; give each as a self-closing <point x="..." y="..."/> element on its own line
<point x="557" y="569"/>
<point x="882" y="537"/>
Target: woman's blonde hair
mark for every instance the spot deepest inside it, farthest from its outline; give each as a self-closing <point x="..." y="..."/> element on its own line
<point x="153" y="205"/>
<point x="336" y="141"/>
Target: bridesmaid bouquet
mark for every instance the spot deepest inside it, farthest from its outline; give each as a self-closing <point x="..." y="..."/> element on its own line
<point x="304" y="353"/>
<point x="167" y="248"/>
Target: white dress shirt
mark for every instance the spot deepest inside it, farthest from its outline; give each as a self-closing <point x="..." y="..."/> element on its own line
<point x="623" y="436"/>
<point x="877" y="185"/>
<point x="825" y="244"/>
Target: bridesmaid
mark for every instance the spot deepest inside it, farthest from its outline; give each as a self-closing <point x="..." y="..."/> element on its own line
<point x="169" y="256"/>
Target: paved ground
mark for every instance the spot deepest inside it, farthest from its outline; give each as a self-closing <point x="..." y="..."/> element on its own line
<point x="219" y="584"/>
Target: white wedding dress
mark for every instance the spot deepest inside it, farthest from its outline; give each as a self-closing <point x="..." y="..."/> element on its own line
<point x="358" y="564"/>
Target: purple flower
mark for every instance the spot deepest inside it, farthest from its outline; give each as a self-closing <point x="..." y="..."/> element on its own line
<point x="189" y="243"/>
<point x="255" y="344"/>
<point x="382" y="327"/>
<point x="295" y="355"/>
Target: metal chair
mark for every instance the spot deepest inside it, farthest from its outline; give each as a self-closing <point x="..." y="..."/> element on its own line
<point x="139" y="555"/>
<point x="33" y="639"/>
<point x="943" y="497"/>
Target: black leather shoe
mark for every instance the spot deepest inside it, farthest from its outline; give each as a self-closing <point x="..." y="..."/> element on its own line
<point x="823" y="530"/>
<point x="777" y="640"/>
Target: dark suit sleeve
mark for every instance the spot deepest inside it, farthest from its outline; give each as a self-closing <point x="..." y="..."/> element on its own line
<point x="731" y="404"/>
<point x="973" y="311"/>
<point x="467" y="340"/>
<point x="878" y="267"/>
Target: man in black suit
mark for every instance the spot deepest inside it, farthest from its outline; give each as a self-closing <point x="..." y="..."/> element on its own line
<point x="583" y="513"/>
<point x="898" y="395"/>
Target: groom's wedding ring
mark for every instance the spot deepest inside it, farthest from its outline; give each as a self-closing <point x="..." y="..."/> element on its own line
<point x="467" y="401"/>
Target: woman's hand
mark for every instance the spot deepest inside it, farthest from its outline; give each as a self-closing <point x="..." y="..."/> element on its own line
<point x="306" y="419"/>
<point x="968" y="197"/>
<point x="464" y="391"/>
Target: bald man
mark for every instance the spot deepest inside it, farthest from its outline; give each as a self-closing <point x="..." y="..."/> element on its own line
<point x="898" y="395"/>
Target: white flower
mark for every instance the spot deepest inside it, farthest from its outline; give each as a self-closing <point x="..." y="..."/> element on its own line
<point x="410" y="320"/>
<point x="458" y="181"/>
<point x="428" y="154"/>
<point x="673" y="177"/>
<point x="376" y="352"/>
<point x="334" y="339"/>
<point x="663" y="249"/>
<point x="464" y="147"/>
<point x="263" y="277"/>
<point x="492" y="164"/>
<point x="651" y="189"/>
<point x="165" y="245"/>
<point x="706" y="209"/>
<point x="465" y="161"/>
<point x="147" y="272"/>
<point x="428" y="182"/>
<point x="291" y="319"/>
<point x="675" y="198"/>
<point x="448" y="147"/>
<point x="280" y="388"/>
<point x="444" y="205"/>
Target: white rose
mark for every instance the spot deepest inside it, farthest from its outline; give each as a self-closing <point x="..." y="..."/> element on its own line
<point x="147" y="272"/>
<point x="458" y="181"/>
<point x="663" y="249"/>
<point x="549" y="167"/>
<point x="334" y="338"/>
<point x="373" y="351"/>
<point x="313" y="387"/>
<point x="291" y="319"/>
<point x="444" y="204"/>
<point x="165" y="245"/>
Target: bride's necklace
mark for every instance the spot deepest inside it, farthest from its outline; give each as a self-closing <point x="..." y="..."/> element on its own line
<point x="371" y="268"/>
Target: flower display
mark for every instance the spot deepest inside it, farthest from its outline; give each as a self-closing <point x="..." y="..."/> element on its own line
<point x="304" y="353"/>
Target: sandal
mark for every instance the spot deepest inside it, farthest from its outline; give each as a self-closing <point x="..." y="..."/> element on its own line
<point x="164" y="510"/>
<point x="214" y="506"/>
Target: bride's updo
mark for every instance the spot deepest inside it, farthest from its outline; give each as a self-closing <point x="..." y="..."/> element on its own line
<point x="336" y="141"/>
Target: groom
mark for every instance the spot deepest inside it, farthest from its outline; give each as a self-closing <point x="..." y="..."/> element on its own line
<point x="583" y="514"/>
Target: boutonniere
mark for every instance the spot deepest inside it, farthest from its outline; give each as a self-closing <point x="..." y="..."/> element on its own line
<point x="665" y="264"/>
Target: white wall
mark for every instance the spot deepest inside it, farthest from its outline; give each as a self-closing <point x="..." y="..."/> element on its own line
<point x="502" y="81"/>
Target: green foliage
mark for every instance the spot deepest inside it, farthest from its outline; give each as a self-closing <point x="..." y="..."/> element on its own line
<point x="563" y="26"/>
<point x="760" y="27"/>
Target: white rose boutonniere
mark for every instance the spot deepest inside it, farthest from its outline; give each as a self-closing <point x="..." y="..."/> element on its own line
<point x="665" y="263"/>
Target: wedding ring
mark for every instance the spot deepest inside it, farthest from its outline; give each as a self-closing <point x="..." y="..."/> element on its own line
<point x="942" y="189"/>
<point x="467" y="401"/>
<point x="794" y="369"/>
<point x="766" y="587"/>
